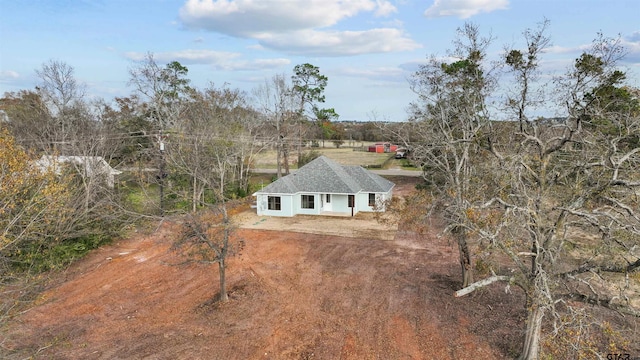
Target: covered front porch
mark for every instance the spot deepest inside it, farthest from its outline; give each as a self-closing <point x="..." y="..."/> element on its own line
<point x="335" y="213"/>
<point x="337" y="204"/>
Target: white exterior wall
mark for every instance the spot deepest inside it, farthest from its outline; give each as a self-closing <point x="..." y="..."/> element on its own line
<point x="388" y="196"/>
<point x="362" y="200"/>
<point x="286" y="205"/>
<point x="291" y="204"/>
<point x="340" y="203"/>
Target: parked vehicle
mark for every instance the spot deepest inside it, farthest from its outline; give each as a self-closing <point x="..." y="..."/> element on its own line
<point x="401" y="153"/>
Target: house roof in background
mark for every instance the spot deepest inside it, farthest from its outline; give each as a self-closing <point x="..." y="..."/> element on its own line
<point x="324" y="175"/>
<point x="92" y="164"/>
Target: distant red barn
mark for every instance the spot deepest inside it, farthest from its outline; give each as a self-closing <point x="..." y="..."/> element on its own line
<point x="383" y="147"/>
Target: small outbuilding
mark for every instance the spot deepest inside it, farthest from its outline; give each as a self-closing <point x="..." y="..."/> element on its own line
<point x="324" y="187"/>
<point x="383" y="147"/>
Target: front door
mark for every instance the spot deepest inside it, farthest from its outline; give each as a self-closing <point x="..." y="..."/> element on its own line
<point x="327" y="202"/>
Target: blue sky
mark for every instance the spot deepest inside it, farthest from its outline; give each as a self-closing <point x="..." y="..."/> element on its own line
<point x="367" y="48"/>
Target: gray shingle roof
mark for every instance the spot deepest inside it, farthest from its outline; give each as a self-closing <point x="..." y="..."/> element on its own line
<point x="323" y="175"/>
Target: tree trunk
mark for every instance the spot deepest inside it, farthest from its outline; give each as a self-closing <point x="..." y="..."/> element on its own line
<point x="278" y="157"/>
<point x="285" y="155"/>
<point x="465" y="259"/>
<point x="222" y="256"/>
<point x="531" y="348"/>
<point x="223" y="283"/>
<point x="299" y="140"/>
<point x="222" y="182"/>
<point x="245" y="178"/>
<point x="87" y="197"/>
<point x="241" y="172"/>
<point x="195" y="195"/>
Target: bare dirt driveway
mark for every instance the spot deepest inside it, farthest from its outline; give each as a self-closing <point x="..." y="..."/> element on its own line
<point x="363" y="225"/>
<point x="293" y="296"/>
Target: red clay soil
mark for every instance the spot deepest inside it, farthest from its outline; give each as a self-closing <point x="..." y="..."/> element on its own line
<point x="292" y="296"/>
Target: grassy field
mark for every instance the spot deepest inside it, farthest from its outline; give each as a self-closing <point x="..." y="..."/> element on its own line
<point x="343" y="155"/>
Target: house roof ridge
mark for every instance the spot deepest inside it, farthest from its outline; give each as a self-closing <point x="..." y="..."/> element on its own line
<point x="342" y="174"/>
<point x="325" y="175"/>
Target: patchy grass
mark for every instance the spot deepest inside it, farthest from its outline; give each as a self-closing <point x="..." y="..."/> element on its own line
<point x="259" y="181"/>
<point x="343" y="155"/>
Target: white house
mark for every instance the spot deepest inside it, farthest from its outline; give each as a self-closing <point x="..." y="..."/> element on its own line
<point x="86" y="166"/>
<point x="324" y="187"/>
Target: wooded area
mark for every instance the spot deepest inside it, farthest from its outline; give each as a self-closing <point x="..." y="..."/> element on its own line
<point x="550" y="205"/>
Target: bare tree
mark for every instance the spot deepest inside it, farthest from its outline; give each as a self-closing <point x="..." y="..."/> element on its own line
<point x="274" y="100"/>
<point x="63" y="96"/>
<point x="162" y="87"/>
<point x="207" y="146"/>
<point x="447" y="126"/>
<point x="213" y="143"/>
<point x="557" y="197"/>
<point x="59" y="86"/>
<point x="562" y="184"/>
<point x="249" y="144"/>
<point x="528" y="93"/>
<point x="206" y="238"/>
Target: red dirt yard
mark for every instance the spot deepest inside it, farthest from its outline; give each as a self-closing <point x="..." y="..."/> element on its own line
<point x="292" y="296"/>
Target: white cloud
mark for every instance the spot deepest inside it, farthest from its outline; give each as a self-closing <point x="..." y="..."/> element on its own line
<point x="9" y="75"/>
<point x="464" y="8"/>
<point x="217" y="59"/>
<point x="255" y="47"/>
<point x="340" y="43"/>
<point x="188" y="56"/>
<point x="257" y="64"/>
<point x="385" y="8"/>
<point x="248" y="18"/>
<point x="299" y="26"/>
<point x="634" y="37"/>
<point x="555" y="49"/>
<point x="385" y="74"/>
<point x="412" y="66"/>
<point x="632" y="44"/>
<point x="394" y="23"/>
<point x="370" y="72"/>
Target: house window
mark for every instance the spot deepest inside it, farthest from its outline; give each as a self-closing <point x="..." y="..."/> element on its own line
<point x="307" y="201"/>
<point x="274" y="203"/>
<point x="328" y="198"/>
<point x="372" y="199"/>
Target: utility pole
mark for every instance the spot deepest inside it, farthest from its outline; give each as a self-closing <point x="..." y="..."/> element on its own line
<point x="162" y="174"/>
